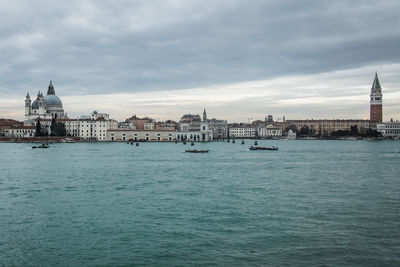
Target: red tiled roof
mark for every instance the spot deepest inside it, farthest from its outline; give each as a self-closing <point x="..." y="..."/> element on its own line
<point x="9" y="122"/>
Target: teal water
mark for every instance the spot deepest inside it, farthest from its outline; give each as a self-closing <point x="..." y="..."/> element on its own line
<point x="312" y="203"/>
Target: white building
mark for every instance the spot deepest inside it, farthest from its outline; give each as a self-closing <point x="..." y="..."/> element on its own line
<point x="44" y="107"/>
<point x="389" y="129"/>
<point x="19" y="131"/>
<point x="291" y="135"/>
<point x="126" y="135"/>
<point x="268" y="131"/>
<point x="242" y="132"/>
<point x="205" y="134"/>
<point x="95" y="115"/>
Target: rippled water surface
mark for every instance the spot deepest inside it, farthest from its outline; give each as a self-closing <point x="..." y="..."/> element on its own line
<point x="312" y="203"/>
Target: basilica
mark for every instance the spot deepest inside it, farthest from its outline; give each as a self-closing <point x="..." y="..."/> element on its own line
<point x="44" y="107"/>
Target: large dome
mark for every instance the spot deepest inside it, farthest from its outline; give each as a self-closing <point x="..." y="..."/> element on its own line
<point x="53" y="101"/>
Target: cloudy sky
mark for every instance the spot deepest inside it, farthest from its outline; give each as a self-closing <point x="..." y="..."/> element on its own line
<point x="240" y="60"/>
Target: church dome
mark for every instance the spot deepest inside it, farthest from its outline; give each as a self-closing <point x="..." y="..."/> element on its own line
<point x="35" y="104"/>
<point x="52" y="101"/>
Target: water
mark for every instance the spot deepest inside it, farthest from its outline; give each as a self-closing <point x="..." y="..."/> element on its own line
<point x="311" y="203"/>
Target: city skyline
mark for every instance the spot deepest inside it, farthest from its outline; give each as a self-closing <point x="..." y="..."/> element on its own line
<point x="166" y="58"/>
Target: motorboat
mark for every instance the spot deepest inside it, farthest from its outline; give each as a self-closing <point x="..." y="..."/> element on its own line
<point x="196" y="151"/>
<point x="263" y="148"/>
<point x="43" y="145"/>
<point x="67" y="140"/>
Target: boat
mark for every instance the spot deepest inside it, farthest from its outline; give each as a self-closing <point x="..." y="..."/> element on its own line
<point x="43" y="145"/>
<point x="263" y="148"/>
<point x="67" y="140"/>
<point x="196" y="151"/>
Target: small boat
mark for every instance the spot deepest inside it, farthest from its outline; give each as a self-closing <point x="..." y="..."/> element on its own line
<point x="263" y="148"/>
<point x="196" y="151"/>
<point x="43" y="145"/>
<point x="67" y="140"/>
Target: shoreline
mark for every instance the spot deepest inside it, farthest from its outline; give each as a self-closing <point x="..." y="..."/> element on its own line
<point x="78" y="140"/>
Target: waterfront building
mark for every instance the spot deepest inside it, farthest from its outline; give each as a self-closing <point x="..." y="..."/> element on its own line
<point x="291" y="135"/>
<point x="8" y="123"/>
<point x="190" y="122"/>
<point x="389" y="130"/>
<point x="137" y="135"/>
<point x="44" y="107"/>
<point x="19" y="131"/>
<point x="268" y="131"/>
<point x="86" y="129"/>
<point x="149" y="125"/>
<point x="376" y="101"/>
<point x="242" y="131"/>
<point x="219" y="128"/>
<point x="126" y="125"/>
<point x="166" y="125"/>
<point x="324" y="127"/>
<point x="139" y="122"/>
<point x="204" y="134"/>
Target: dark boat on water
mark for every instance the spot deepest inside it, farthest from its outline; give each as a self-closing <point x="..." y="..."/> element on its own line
<point x="263" y="148"/>
<point x="196" y="151"/>
<point x="43" y="145"/>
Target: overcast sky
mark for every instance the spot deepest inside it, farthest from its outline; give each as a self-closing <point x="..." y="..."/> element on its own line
<point x="240" y="60"/>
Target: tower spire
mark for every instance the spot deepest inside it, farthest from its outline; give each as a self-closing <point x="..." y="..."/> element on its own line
<point x="50" y="90"/>
<point x="376" y="84"/>
<point x="376" y="101"/>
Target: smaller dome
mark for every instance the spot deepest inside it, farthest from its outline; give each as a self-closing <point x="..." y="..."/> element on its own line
<point x="35" y="104"/>
<point x="53" y="101"/>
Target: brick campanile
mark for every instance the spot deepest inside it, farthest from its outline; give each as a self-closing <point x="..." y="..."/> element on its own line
<point x="375" y="110"/>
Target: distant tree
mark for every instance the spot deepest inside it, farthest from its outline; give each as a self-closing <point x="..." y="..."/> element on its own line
<point x="354" y="130"/>
<point x="59" y="129"/>
<point x="305" y="130"/>
<point x="38" y="128"/>
<point x="52" y="127"/>
<point x="372" y="133"/>
<point x="340" y="133"/>
<point x="291" y="127"/>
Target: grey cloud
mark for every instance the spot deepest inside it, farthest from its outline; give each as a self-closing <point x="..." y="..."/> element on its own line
<point x="129" y="46"/>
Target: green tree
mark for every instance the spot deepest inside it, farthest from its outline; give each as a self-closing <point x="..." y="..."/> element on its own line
<point x="59" y="129"/>
<point x="305" y="130"/>
<point x="38" y="128"/>
<point x="354" y="130"/>
<point x="291" y="127"/>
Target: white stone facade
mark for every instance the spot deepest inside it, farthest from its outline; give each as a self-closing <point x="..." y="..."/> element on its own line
<point x="268" y="131"/>
<point x="389" y="129"/>
<point x="44" y="107"/>
<point x="126" y="135"/>
<point x="20" y="132"/>
<point x="242" y="132"/>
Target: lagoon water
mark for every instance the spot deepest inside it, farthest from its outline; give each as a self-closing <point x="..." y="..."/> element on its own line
<point x="312" y="203"/>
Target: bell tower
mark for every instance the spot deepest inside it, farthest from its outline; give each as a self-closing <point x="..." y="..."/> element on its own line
<point x="27" y="106"/>
<point x="375" y="110"/>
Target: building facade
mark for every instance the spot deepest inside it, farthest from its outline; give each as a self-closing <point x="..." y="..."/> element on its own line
<point x="242" y="131"/>
<point x="268" y="131"/>
<point x="389" y="130"/>
<point x="324" y="127"/>
<point x="126" y="135"/>
<point x="19" y="131"/>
